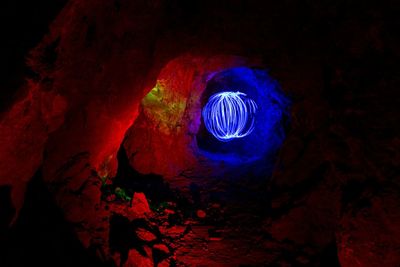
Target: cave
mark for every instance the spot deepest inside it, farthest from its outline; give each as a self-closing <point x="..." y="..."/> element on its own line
<point x="199" y="133"/>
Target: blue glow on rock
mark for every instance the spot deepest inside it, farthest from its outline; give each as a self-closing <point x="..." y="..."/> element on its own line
<point x="244" y="117"/>
<point x="229" y="115"/>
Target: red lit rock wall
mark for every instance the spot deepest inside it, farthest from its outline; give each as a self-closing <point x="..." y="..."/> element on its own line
<point x="162" y="140"/>
<point x="336" y="178"/>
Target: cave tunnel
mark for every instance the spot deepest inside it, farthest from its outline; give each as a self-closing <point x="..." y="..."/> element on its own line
<point x="199" y="133"/>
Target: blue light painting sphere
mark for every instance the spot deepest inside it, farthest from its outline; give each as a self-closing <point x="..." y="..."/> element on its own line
<point x="229" y="115"/>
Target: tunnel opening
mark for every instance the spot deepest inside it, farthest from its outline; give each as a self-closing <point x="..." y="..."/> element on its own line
<point x="270" y="116"/>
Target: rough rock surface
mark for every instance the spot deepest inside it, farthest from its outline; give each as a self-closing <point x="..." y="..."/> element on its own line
<point x="333" y="196"/>
<point x="356" y="245"/>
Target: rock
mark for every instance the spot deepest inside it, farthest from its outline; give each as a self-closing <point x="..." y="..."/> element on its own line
<point x="313" y="222"/>
<point x="201" y="214"/>
<point x="110" y="198"/>
<point x="169" y="211"/>
<point x="135" y="259"/>
<point x="303" y="260"/>
<point x="169" y="117"/>
<point x="24" y="131"/>
<point x="174" y="231"/>
<point x="140" y="206"/>
<point x="370" y="236"/>
<point x="161" y="247"/>
<point x="164" y="263"/>
<point x="145" y="235"/>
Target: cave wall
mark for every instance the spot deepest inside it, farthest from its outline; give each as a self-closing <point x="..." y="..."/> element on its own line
<point x="335" y="180"/>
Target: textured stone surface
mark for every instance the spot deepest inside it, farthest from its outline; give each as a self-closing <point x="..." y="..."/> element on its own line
<point x="161" y="129"/>
<point x="368" y="231"/>
<point x="335" y="185"/>
<point x="23" y="133"/>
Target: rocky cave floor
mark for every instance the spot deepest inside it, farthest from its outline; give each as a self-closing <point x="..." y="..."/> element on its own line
<point x="154" y="225"/>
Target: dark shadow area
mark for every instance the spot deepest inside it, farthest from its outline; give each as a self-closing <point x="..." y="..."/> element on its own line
<point x="6" y="209"/>
<point x="123" y="236"/>
<point x="153" y="186"/>
<point x="329" y="256"/>
<point x="41" y="236"/>
<point x="23" y="24"/>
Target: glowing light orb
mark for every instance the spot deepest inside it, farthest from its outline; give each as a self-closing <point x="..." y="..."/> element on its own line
<point x="229" y="115"/>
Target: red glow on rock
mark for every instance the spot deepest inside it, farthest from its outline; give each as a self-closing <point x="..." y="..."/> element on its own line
<point x="140" y="206"/>
<point x="135" y="259"/>
<point x="145" y="235"/>
<point x="171" y="121"/>
<point x="201" y="214"/>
